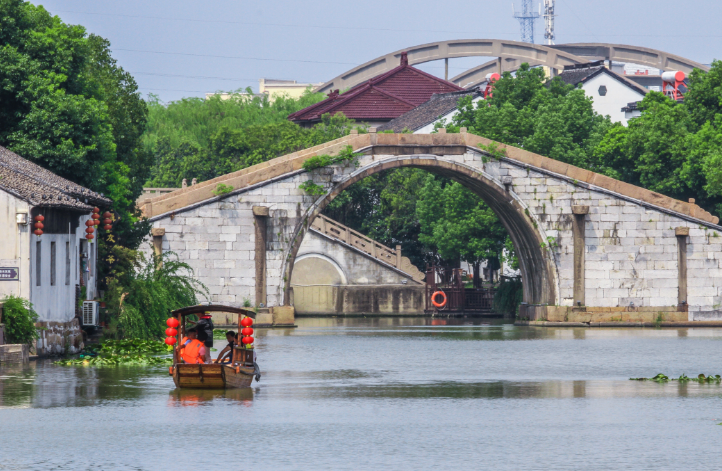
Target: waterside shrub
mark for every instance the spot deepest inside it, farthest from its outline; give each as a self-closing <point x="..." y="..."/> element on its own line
<point x="19" y="319"/>
<point x="141" y="293"/>
<point x="508" y="296"/>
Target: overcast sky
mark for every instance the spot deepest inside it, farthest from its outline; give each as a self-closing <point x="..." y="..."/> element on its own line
<point x="179" y="48"/>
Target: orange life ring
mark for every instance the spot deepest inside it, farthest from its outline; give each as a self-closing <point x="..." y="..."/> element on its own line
<point x="433" y="299"/>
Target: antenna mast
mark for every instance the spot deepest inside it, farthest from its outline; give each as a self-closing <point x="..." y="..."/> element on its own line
<point x="549" y="21"/>
<point x="526" y="19"/>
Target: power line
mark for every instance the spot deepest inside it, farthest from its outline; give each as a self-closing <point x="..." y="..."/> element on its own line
<point x="284" y="25"/>
<point x="381" y="29"/>
<point x="232" y="57"/>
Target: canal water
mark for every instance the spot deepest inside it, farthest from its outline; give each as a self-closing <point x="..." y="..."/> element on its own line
<point x="386" y="393"/>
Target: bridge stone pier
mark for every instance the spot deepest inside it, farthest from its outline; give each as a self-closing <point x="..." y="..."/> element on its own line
<point x="591" y="248"/>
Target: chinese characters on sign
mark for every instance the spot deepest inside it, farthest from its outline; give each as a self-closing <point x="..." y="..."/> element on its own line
<point x="9" y="274"/>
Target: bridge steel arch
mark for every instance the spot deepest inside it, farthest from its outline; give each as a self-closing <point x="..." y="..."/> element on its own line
<point x="526" y="52"/>
<point x="510" y="55"/>
<point x="538" y="270"/>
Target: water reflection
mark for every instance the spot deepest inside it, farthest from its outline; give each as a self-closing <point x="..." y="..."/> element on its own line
<point x="205" y="397"/>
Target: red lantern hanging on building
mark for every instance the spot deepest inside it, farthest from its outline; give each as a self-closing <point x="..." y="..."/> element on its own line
<point x="170" y="340"/>
<point x="171" y="332"/>
<point x="247" y="331"/>
<point x="247" y="322"/>
<point x="247" y="340"/>
<point x="172" y="322"/>
<point x="107" y="215"/>
<point x="39" y="225"/>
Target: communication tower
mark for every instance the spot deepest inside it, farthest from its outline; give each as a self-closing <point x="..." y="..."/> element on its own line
<point x="549" y="21"/>
<point x="526" y="19"/>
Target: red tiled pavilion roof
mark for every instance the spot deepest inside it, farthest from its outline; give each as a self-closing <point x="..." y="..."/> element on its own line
<point x="382" y="98"/>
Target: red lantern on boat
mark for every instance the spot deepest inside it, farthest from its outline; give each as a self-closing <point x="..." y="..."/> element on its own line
<point x="170" y="340"/>
<point x="247" y="332"/>
<point x="171" y="332"/>
<point x="247" y="340"/>
<point x="247" y="322"/>
<point x="172" y="322"/>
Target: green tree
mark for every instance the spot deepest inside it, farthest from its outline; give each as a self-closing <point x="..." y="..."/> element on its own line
<point x="67" y="106"/>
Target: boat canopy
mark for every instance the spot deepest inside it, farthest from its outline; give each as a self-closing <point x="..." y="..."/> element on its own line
<point x="201" y="308"/>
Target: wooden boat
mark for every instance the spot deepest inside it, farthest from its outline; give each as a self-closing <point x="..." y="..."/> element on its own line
<point x="239" y="373"/>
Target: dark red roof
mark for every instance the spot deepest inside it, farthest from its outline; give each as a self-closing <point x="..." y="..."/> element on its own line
<point x="382" y="98"/>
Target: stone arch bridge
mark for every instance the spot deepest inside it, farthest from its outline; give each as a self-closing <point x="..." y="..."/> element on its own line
<point x="590" y="247"/>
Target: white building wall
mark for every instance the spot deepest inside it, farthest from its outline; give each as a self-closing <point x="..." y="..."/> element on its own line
<point x="617" y="97"/>
<point x="14" y="249"/>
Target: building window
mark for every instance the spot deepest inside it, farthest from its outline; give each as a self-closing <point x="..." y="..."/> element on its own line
<point x="603" y="90"/>
<point x="38" y="262"/>
<point x="67" y="263"/>
<point x="52" y="264"/>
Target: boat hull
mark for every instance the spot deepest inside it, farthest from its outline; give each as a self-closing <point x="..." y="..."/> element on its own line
<point x="211" y="376"/>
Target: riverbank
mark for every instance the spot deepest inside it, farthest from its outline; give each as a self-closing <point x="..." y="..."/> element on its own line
<point x="620" y="324"/>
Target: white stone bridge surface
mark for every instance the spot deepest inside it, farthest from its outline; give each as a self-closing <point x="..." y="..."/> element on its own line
<point x="591" y="248"/>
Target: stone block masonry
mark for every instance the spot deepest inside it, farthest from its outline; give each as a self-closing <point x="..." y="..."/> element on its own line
<point x="631" y="255"/>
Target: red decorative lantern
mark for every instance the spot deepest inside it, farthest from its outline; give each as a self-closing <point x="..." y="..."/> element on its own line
<point x="95" y="216"/>
<point x="247" y="331"/>
<point x="39" y="225"/>
<point x="108" y="227"/>
<point x="38" y="232"/>
<point x="247" y="340"/>
<point x="96" y="210"/>
<point x="247" y="322"/>
<point x="107" y="215"/>
<point x="89" y="230"/>
<point x="39" y="218"/>
<point x="171" y="332"/>
<point x="96" y="222"/>
<point x="172" y="322"/>
<point x="90" y="236"/>
<point x="170" y="340"/>
<point x="89" y="223"/>
<point x="107" y="221"/>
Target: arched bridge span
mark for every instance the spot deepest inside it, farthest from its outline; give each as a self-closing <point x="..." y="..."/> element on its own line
<point x="589" y="245"/>
<point x="510" y="55"/>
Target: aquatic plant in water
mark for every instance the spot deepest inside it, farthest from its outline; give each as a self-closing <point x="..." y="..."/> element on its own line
<point x="701" y="378"/>
<point x="122" y="352"/>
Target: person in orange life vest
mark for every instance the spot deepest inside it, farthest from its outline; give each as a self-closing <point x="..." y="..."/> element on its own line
<point x="192" y="350"/>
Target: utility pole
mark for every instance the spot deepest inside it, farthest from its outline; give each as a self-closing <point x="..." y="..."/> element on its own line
<point x="549" y="21"/>
<point x="526" y="19"/>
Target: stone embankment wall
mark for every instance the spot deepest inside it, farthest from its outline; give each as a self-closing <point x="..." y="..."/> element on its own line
<point x="59" y="338"/>
<point x="586" y="241"/>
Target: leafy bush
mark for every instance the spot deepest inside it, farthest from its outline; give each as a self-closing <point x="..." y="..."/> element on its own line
<point x="142" y="292"/>
<point x="19" y="319"/>
<point x="508" y="296"/>
<point x="222" y="189"/>
<point x="320" y="161"/>
<point x="312" y="188"/>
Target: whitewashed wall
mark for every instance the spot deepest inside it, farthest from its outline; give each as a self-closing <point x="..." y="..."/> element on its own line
<point x="618" y="96"/>
<point x="14" y="248"/>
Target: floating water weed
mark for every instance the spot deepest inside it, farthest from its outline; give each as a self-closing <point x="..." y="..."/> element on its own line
<point x="701" y="378"/>
<point x="122" y="352"/>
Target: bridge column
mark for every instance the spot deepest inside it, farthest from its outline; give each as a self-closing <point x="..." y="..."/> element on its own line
<point x="260" y="217"/>
<point x="682" y="233"/>
<point x="579" y="248"/>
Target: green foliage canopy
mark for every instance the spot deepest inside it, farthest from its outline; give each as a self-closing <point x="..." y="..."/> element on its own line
<point x="19" y="319"/>
<point x="66" y="105"/>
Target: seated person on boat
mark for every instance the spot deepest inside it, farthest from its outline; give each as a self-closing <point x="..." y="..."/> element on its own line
<point x="192" y="350"/>
<point x="226" y="355"/>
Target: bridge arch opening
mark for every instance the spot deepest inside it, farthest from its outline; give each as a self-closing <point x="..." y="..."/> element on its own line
<point x="538" y="271"/>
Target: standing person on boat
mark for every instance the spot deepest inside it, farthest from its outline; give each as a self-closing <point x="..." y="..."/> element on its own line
<point x="192" y="350"/>
<point x="227" y="352"/>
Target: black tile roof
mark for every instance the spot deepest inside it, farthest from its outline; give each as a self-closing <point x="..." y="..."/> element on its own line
<point x="580" y="73"/>
<point x="40" y="187"/>
<point x="439" y="105"/>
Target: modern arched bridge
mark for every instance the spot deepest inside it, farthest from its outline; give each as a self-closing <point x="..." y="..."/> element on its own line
<point x="590" y="247"/>
<point x="510" y="55"/>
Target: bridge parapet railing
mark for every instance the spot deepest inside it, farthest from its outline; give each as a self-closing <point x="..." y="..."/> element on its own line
<point x="365" y="244"/>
